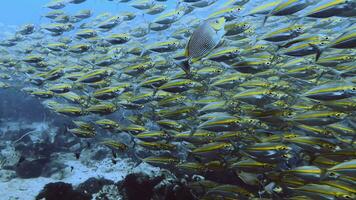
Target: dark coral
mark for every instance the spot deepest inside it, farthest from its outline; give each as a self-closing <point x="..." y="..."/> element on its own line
<point x="143" y="187"/>
<point x="139" y="186"/>
<point x="61" y="191"/>
<point x="31" y="169"/>
<point x="93" y="185"/>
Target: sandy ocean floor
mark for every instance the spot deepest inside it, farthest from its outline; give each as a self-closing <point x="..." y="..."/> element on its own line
<point x="75" y="171"/>
<point x="27" y="189"/>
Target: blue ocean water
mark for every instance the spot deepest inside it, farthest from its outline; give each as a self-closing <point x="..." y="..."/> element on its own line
<point x="18" y="12"/>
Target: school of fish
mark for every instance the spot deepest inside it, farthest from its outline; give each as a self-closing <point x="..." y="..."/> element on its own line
<point x="254" y="103"/>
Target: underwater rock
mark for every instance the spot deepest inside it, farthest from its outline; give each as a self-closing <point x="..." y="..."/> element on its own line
<point x="95" y="154"/>
<point x="55" y="170"/>
<point x="139" y="186"/>
<point x="6" y="175"/>
<point x="100" y="154"/>
<point x="163" y="186"/>
<point x="108" y="192"/>
<point x="17" y="106"/>
<point x="93" y="185"/>
<point x="31" y="169"/>
<point x="9" y="155"/>
<point x="61" y="191"/>
<point x="13" y="132"/>
<point x="171" y="188"/>
<point x="63" y="139"/>
<point x="35" y="150"/>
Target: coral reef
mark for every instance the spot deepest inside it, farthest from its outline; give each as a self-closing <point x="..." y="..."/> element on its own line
<point x="61" y="191"/>
<point x="93" y="185"/>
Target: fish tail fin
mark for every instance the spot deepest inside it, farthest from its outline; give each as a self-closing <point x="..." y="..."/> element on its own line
<point x="153" y="113"/>
<point x="279" y="47"/>
<point x="195" y="157"/>
<point x="320" y="76"/>
<point x="236" y="147"/>
<point x="184" y="64"/>
<point x="65" y="129"/>
<point x="155" y="90"/>
<point x="193" y="130"/>
<point x="138" y="158"/>
<point x="254" y="40"/>
<point x="294" y="19"/>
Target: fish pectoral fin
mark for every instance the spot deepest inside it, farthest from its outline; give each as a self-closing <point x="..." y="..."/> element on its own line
<point x="318" y="51"/>
<point x="264" y="20"/>
<point x="227" y="66"/>
<point x="143" y="52"/>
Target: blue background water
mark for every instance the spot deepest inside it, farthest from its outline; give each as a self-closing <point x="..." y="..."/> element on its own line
<point x="14" y="13"/>
<point x="18" y="12"/>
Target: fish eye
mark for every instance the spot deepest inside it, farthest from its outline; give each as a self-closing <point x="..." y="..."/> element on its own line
<point x="332" y="174"/>
<point x="283" y="148"/>
<point x="285" y="156"/>
<point x="278" y="189"/>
